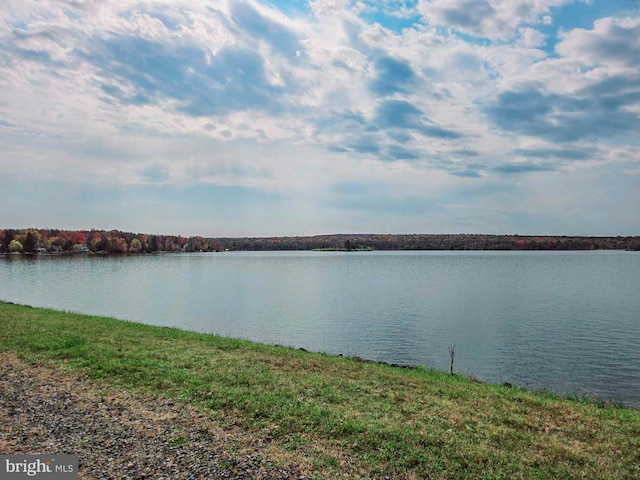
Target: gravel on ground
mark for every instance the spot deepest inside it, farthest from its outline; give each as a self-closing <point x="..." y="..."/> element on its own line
<point x="120" y="434"/>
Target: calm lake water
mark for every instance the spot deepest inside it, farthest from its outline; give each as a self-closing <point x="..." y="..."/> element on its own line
<point x="566" y="321"/>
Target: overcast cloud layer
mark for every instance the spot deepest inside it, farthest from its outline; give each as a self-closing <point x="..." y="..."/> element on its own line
<point x="233" y="118"/>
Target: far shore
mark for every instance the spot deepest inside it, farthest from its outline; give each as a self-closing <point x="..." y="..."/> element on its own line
<point x="34" y="240"/>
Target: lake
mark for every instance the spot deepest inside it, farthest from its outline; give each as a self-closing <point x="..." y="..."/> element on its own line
<point x="564" y="321"/>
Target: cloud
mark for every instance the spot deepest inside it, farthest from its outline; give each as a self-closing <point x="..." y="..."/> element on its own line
<point x="392" y="76"/>
<point x="346" y="120"/>
<point x="233" y="79"/>
<point x="590" y="91"/>
<point x="465" y="15"/>
<point x="612" y="41"/>
<point x="391" y="134"/>
<point x="365" y="146"/>
<point x="600" y="110"/>
<point x="403" y="115"/>
<point x="515" y="168"/>
<point x="465" y="153"/>
<point x="398" y="152"/>
<point x="397" y="114"/>
<point x="426" y="102"/>
<point x="531" y="38"/>
<point x="379" y="197"/>
<point x="253" y="23"/>
<point x="557" y="153"/>
<point x="494" y="19"/>
<point x="467" y="174"/>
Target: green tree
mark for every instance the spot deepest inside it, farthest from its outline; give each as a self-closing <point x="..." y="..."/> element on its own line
<point x="30" y="243"/>
<point x="9" y="235"/>
<point x="15" y="246"/>
<point x="136" y="246"/>
<point x="155" y="243"/>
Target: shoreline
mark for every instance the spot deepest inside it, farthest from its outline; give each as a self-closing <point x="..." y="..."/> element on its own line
<point x="468" y="376"/>
<point x="320" y="250"/>
<point x="121" y="242"/>
<point x="345" y="417"/>
<point x="584" y="396"/>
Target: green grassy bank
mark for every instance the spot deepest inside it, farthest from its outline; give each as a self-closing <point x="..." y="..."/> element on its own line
<point x="349" y="418"/>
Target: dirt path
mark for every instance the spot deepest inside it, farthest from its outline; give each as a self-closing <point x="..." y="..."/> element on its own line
<point x="120" y="435"/>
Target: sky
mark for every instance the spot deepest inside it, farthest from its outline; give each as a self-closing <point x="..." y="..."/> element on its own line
<point x="252" y="118"/>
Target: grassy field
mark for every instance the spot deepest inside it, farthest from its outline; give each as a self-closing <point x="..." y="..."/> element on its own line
<point x="348" y="418"/>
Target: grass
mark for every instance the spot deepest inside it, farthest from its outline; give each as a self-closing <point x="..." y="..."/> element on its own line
<point x="346" y="418"/>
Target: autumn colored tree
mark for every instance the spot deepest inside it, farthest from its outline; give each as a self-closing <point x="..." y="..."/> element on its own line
<point x="195" y="244"/>
<point x="95" y="240"/>
<point x="117" y="245"/>
<point x="144" y="242"/>
<point x="59" y="241"/>
<point x="77" y="238"/>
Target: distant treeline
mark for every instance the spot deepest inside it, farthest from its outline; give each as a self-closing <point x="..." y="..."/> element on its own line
<point x="32" y="241"/>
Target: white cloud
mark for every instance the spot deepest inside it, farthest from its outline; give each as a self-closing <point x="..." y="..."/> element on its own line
<point x="494" y="19"/>
<point x="612" y="41"/>
<point x="531" y="38"/>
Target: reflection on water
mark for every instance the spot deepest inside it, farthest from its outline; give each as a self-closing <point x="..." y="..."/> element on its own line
<point x="567" y="321"/>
